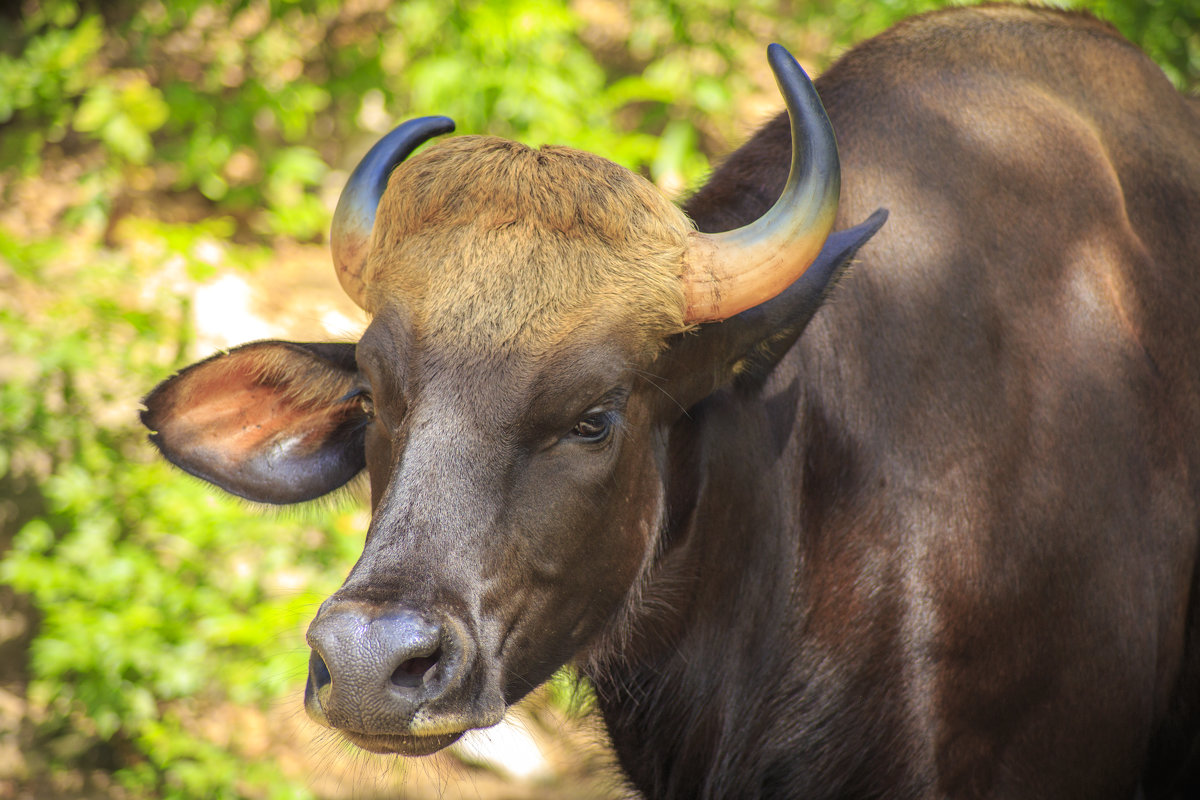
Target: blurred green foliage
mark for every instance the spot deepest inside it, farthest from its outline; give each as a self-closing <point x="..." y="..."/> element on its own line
<point x="159" y="600"/>
<point x="1168" y="30"/>
<point x="248" y="102"/>
<point x="151" y="588"/>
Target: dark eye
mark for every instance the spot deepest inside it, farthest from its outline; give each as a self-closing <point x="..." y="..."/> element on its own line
<point x="593" y="428"/>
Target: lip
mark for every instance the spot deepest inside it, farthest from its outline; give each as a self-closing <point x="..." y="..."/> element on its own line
<point x="398" y="744"/>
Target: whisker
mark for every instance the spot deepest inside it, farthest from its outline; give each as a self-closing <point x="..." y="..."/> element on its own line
<point x="652" y="379"/>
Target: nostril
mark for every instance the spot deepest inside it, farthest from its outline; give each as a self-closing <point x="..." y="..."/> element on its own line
<point x="388" y="659"/>
<point x="317" y="689"/>
<point x="318" y="671"/>
<point x="414" y="672"/>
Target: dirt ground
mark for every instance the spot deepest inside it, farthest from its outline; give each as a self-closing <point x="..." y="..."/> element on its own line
<point x="536" y="754"/>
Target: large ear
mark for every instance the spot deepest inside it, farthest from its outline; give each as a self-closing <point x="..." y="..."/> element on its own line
<point x="745" y="348"/>
<point x="275" y="422"/>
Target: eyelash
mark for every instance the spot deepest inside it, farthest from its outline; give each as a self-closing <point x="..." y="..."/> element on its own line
<point x="594" y="428"/>
<point x="365" y="402"/>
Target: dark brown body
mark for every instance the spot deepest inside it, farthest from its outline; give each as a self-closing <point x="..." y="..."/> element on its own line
<point x="942" y="545"/>
<point x="949" y="549"/>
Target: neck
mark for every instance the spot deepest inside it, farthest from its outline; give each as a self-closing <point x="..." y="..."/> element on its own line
<point x="724" y="686"/>
<point x="686" y="699"/>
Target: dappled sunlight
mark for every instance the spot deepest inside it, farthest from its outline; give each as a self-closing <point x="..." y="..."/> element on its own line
<point x="167" y="177"/>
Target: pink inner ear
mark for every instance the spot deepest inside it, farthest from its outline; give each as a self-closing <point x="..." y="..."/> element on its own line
<point x="256" y="403"/>
<point x="241" y="420"/>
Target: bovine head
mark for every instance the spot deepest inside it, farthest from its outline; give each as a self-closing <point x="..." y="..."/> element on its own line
<point x="533" y="337"/>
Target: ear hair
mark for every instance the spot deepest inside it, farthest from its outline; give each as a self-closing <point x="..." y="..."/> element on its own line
<point x="274" y="422"/>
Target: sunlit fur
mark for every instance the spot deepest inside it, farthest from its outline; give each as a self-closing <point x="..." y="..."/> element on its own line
<point x="306" y="384"/>
<point x="501" y="246"/>
<point x="299" y="380"/>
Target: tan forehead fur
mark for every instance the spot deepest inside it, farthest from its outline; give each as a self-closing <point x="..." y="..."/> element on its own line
<point x="492" y="244"/>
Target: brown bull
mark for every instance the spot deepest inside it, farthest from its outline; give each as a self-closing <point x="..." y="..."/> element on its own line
<point x="944" y="544"/>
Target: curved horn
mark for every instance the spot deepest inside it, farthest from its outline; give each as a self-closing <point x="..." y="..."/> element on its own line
<point x="355" y="214"/>
<point x="727" y="273"/>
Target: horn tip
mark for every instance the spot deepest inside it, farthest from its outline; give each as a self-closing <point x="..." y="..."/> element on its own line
<point x="442" y="124"/>
<point x="781" y="59"/>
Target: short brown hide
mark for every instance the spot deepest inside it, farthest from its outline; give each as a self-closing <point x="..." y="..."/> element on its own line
<point x="498" y="245"/>
<point x="925" y="525"/>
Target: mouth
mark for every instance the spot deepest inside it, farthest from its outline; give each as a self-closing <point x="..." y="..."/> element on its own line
<point x="398" y="744"/>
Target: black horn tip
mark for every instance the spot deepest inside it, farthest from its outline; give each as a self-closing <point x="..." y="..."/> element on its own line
<point x="396" y="146"/>
<point x="814" y="148"/>
<point x="788" y="71"/>
<point x="432" y="126"/>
